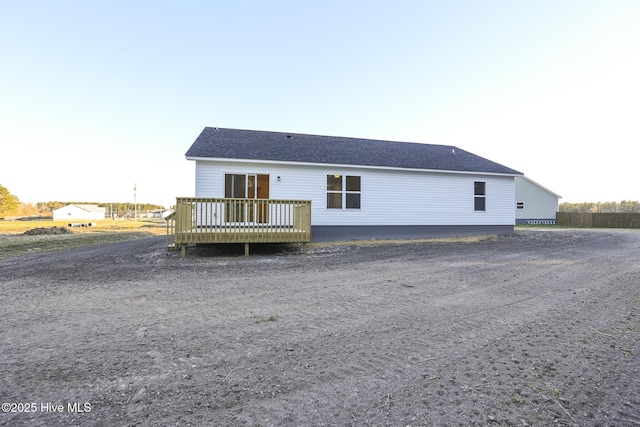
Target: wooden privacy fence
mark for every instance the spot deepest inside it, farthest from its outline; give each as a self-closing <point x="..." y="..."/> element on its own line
<point x="598" y="220"/>
<point x="212" y="220"/>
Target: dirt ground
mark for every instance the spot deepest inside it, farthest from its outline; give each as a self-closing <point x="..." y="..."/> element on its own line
<point x="539" y="328"/>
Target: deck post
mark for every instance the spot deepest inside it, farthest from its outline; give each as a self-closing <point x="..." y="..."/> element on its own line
<point x="304" y="247"/>
<point x="183" y="250"/>
<point x="246" y="249"/>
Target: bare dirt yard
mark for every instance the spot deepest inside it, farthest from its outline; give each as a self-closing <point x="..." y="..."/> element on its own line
<point x="535" y="329"/>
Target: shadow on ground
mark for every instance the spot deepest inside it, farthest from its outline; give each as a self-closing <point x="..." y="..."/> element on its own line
<point x="237" y="249"/>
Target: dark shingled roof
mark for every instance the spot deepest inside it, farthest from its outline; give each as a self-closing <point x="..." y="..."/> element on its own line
<point x="292" y="147"/>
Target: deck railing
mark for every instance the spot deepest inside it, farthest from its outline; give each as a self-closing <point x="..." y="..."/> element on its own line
<point x="213" y="220"/>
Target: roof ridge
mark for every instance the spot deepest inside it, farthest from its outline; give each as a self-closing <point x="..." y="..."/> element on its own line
<point x="329" y="136"/>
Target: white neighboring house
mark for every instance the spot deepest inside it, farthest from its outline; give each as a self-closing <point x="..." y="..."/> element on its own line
<point x="535" y="204"/>
<point x="157" y="213"/>
<point x="79" y="212"/>
<point x="360" y="188"/>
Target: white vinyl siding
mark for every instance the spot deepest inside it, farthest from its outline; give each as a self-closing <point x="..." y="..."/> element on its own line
<point x="388" y="197"/>
<point x="539" y="203"/>
<point x="209" y="182"/>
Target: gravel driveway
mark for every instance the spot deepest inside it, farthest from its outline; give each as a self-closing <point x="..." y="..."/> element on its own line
<point x="539" y="328"/>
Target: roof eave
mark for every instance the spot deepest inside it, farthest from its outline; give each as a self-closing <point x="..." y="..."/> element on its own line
<point x="283" y="162"/>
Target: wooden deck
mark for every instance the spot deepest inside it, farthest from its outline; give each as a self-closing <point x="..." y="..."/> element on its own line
<point x="205" y="220"/>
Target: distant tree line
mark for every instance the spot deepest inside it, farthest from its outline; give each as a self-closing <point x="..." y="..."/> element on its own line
<point x="625" y="206"/>
<point x="10" y="205"/>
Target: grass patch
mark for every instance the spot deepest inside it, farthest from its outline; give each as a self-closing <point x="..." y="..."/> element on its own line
<point x="559" y="226"/>
<point x="13" y="241"/>
<point x="516" y="400"/>
<point x="272" y="318"/>
<point x="153" y="226"/>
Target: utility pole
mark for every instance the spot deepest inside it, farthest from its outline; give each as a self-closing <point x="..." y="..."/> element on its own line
<point x="135" y="202"/>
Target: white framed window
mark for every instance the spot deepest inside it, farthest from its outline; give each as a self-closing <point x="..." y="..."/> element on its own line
<point x="344" y="192"/>
<point x="479" y="196"/>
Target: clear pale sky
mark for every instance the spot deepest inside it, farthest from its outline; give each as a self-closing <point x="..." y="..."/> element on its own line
<point x="98" y="96"/>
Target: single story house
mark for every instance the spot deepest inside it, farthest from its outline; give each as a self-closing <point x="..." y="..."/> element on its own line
<point x="535" y="204"/>
<point x="156" y="213"/>
<point x="358" y="188"/>
<point x="79" y="212"/>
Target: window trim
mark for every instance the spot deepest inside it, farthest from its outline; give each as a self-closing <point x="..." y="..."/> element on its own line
<point x="348" y="192"/>
<point x="334" y="192"/>
<point x="344" y="192"/>
<point x="479" y="196"/>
